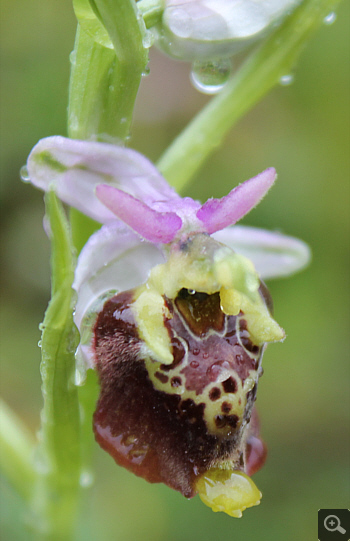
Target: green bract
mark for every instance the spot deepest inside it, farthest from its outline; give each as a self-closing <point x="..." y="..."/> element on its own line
<point x="87" y="13"/>
<point x="90" y="23"/>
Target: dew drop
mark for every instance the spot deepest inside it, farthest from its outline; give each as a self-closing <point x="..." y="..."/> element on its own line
<point x="40" y="464"/>
<point x="330" y="18"/>
<point x="72" y="57"/>
<point x="86" y="479"/>
<point x="80" y="370"/>
<point x="146" y="71"/>
<point x="286" y="80"/>
<point x="147" y="40"/>
<point x="210" y="77"/>
<point x="191" y="291"/>
<point x="40" y="343"/>
<point x="42" y="327"/>
<point x="24" y="174"/>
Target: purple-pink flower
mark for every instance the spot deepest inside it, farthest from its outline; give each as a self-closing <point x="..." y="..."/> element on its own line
<point x="173" y="315"/>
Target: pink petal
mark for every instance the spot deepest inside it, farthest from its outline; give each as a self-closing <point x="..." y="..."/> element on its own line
<point x="157" y="227"/>
<point x="217" y="214"/>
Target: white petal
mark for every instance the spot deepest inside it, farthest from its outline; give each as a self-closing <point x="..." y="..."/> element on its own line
<point x="74" y="169"/>
<point x="114" y="259"/>
<point x="273" y="254"/>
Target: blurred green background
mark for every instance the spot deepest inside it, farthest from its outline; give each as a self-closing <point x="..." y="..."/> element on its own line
<point x="304" y="398"/>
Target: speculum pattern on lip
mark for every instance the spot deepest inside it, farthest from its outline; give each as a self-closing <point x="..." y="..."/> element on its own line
<point x="171" y="423"/>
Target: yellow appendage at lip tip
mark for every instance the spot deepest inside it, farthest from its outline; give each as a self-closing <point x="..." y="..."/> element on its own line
<point x="230" y="491"/>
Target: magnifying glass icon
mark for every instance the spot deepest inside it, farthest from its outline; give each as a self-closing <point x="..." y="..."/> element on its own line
<point x="332" y="524"/>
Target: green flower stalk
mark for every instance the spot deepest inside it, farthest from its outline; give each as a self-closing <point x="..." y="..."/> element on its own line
<point x="58" y="458"/>
<point x="105" y="79"/>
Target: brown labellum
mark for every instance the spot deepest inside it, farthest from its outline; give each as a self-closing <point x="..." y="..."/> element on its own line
<point x="171" y="423"/>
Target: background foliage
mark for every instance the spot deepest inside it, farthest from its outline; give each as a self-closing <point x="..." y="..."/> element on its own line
<point x="304" y="399"/>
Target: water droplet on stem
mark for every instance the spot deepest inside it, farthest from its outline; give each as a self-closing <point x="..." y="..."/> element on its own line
<point x="72" y="57"/>
<point x="80" y="373"/>
<point x="147" y="39"/>
<point x="86" y="479"/>
<point x="24" y="174"/>
<point x="211" y="76"/>
<point x="286" y="80"/>
<point x="330" y="18"/>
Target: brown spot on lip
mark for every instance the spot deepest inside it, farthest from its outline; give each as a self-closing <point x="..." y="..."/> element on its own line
<point x="229" y="385"/>
<point x="176" y="381"/>
<point x="226" y="407"/>
<point x="232" y="420"/>
<point x="162" y="377"/>
<point x="243" y="326"/>
<point x="214" y="393"/>
<point x="220" y="421"/>
<point x="226" y="420"/>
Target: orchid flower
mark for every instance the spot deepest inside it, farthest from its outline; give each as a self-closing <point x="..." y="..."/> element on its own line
<point x="173" y="315"/>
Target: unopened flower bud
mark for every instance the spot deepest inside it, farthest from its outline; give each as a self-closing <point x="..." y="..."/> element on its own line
<point x="207" y="29"/>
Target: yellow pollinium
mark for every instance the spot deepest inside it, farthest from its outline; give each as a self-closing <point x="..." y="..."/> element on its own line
<point x="230" y="491"/>
<point x="150" y="310"/>
<point x="261" y="325"/>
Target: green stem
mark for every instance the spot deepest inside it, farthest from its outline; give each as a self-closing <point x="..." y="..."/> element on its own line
<point x="152" y="11"/>
<point x="104" y="82"/>
<point x="56" y="495"/>
<point x="16" y="452"/>
<point x="103" y="86"/>
<point x="97" y="109"/>
<point x="258" y="75"/>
